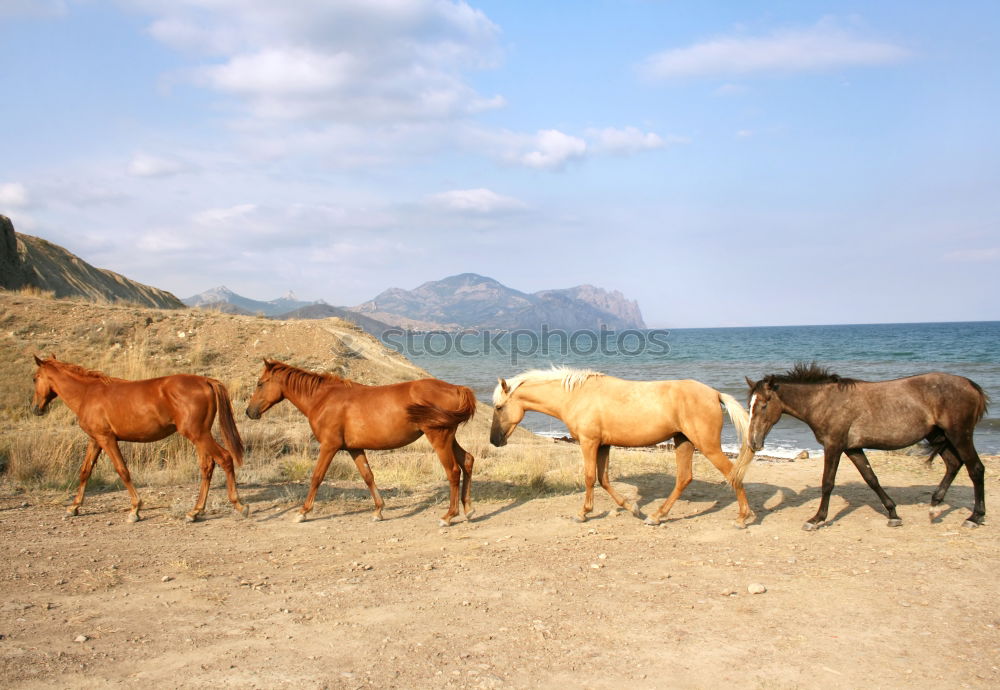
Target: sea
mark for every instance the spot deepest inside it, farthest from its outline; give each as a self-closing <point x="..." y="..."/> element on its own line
<point x="722" y="358"/>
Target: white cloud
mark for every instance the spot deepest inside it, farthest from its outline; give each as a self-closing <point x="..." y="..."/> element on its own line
<point x="352" y="61"/>
<point x="553" y="149"/>
<point x="626" y="141"/>
<point x="145" y="165"/>
<point x="983" y="255"/>
<point x="823" y="46"/>
<point x="13" y="194"/>
<point x="480" y="200"/>
<point x="224" y="216"/>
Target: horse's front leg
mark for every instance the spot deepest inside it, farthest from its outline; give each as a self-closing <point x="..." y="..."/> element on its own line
<point x="603" y="456"/>
<point x="831" y="459"/>
<point x="860" y="461"/>
<point x="93" y="451"/>
<point x="361" y="462"/>
<point x="207" y="467"/>
<point x="110" y="446"/>
<point x="590" y="451"/>
<point x="326" y="453"/>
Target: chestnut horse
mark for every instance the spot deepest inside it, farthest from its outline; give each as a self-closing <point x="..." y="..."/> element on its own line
<point x="848" y="415"/>
<point x="603" y="411"/>
<point x="354" y="417"/>
<point x="110" y="410"/>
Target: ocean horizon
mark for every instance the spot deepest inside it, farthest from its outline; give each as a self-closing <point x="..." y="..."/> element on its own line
<point x="721" y="357"/>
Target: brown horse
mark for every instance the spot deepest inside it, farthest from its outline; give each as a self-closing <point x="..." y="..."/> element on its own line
<point x="110" y="410"/>
<point x="352" y="416"/>
<point x="848" y="415"/>
<point x="603" y="411"/>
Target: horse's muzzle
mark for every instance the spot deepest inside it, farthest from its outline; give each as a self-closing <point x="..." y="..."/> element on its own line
<point x="498" y="439"/>
<point x="39" y="411"/>
<point x="253" y="413"/>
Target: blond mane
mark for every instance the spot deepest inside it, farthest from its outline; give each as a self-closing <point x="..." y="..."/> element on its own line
<point x="570" y="378"/>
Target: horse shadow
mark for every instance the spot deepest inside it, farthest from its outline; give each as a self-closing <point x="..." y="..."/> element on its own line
<point x="768" y="499"/>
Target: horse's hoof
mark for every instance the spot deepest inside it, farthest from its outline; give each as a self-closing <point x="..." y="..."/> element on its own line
<point x="72" y="511"/>
<point x="191" y="517"/>
<point x="300" y="517"/>
<point x="377" y="517"/>
<point x="635" y="511"/>
<point x="580" y="518"/>
<point x="895" y="522"/>
<point x="971" y="524"/>
<point x="245" y="512"/>
<point x="443" y="523"/>
<point x="810" y="526"/>
<point x="651" y="522"/>
<point x="469" y="514"/>
<point x="133" y="517"/>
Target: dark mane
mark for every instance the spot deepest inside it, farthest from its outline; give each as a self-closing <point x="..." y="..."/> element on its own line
<point x="306" y="382"/>
<point x="809" y="373"/>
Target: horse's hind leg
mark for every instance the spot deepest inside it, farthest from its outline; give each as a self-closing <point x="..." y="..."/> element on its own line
<point x="465" y="462"/>
<point x="952" y="465"/>
<point x="207" y="466"/>
<point x="93" y="451"/>
<point x="361" y="461"/>
<point x="860" y="460"/>
<point x="974" y="466"/>
<point x="211" y="454"/>
<point x="110" y="446"/>
<point x="683" y="453"/>
<point x="441" y="440"/>
<point x="603" y="454"/>
<point x="724" y="465"/>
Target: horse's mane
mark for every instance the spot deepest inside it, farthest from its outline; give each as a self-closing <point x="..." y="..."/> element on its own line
<point x="809" y="373"/>
<point x="82" y="372"/>
<point x="571" y="378"/>
<point x="305" y="382"/>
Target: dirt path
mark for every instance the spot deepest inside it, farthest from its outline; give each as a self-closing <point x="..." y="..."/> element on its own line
<point x="521" y="597"/>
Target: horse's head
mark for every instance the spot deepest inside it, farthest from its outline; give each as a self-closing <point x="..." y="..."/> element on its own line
<point x="267" y="393"/>
<point x="765" y="410"/>
<point x="507" y="413"/>
<point x="44" y="390"/>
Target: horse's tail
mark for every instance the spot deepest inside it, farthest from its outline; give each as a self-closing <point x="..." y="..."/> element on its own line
<point x="741" y="420"/>
<point x="434" y="416"/>
<point x="982" y="403"/>
<point x="231" y="435"/>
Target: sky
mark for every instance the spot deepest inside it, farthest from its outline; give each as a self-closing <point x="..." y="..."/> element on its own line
<point x="739" y="163"/>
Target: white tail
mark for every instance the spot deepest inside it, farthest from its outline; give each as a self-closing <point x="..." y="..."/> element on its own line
<point x="741" y="420"/>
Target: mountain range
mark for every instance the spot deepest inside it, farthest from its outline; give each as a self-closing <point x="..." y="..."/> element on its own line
<point x="464" y="301"/>
<point x="469" y="300"/>
<point x="31" y="262"/>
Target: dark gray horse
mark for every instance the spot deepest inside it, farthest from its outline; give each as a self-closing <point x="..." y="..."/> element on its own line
<point x="848" y="415"/>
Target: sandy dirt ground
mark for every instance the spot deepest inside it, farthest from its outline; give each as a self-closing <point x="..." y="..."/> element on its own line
<point x="522" y="596"/>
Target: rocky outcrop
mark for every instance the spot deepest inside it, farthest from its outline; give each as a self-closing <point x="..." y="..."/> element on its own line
<point x="34" y="262"/>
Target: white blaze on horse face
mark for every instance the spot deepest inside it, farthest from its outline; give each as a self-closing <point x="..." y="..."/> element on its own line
<point x="753" y="400"/>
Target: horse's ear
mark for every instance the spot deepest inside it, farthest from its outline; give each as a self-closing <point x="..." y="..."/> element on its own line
<point x="52" y="356"/>
<point x="503" y="386"/>
<point x="37" y="360"/>
<point x="268" y="363"/>
<point x="749" y="382"/>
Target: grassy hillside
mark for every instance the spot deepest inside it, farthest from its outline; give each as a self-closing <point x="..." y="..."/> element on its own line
<point x="135" y="342"/>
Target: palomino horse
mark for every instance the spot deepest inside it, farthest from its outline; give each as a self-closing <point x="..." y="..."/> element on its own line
<point x="110" y="410"/>
<point x="352" y="416"/>
<point x="603" y="411"/>
<point x="848" y="415"/>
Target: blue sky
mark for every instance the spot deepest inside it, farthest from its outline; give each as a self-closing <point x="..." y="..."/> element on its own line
<point x="750" y="163"/>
